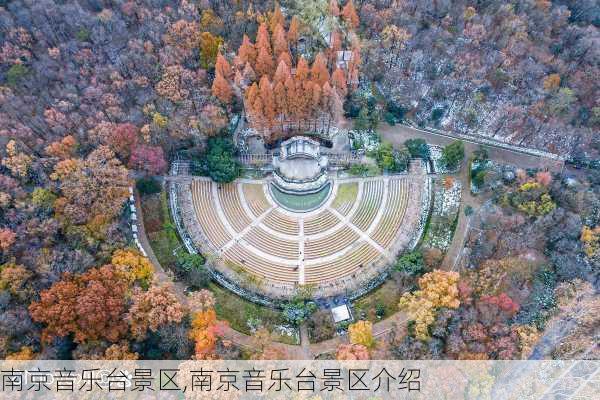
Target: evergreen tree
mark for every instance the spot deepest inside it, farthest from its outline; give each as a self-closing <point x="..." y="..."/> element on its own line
<point x="220" y="160"/>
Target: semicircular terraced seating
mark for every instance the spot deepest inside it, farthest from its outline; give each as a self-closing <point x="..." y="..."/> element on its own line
<point x="358" y="258"/>
<point x="345" y="198"/>
<point x="282" y="223"/>
<point x="207" y="215"/>
<point x="270" y="244"/>
<point x="370" y="203"/>
<point x="328" y="245"/>
<point x="320" y="223"/>
<point x="354" y="231"/>
<point x="255" y="198"/>
<point x="393" y="214"/>
<point x="268" y="270"/>
<point x="232" y="206"/>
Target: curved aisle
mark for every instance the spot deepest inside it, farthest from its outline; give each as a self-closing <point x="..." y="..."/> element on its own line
<point x="344" y="242"/>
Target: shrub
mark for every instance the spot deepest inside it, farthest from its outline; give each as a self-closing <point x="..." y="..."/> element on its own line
<point x="148" y="186"/>
<point x="417" y="148"/>
<point x="411" y="263"/>
<point x="389" y="118"/>
<point x="188" y="262"/>
<point x="437" y="113"/>
<point x="298" y="310"/>
<point x="15" y="74"/>
<point x="389" y="159"/>
<point x="396" y="110"/>
<point x="479" y="178"/>
<point x="83" y="35"/>
<point x="358" y="170"/>
<point x="198" y="277"/>
<point x="321" y="326"/>
<point x="453" y="154"/>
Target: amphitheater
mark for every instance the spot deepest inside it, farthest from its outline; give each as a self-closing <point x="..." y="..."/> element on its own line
<point x="346" y="242"/>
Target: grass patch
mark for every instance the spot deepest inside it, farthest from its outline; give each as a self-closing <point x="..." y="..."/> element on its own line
<point x="380" y="303"/>
<point x="346" y="193"/>
<point x="238" y="312"/>
<point x="160" y="228"/>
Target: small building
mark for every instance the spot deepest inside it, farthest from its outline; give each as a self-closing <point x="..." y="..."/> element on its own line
<point x="341" y="313"/>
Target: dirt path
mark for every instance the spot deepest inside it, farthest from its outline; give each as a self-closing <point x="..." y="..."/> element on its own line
<point x="398" y="134"/>
<point x="464" y="222"/>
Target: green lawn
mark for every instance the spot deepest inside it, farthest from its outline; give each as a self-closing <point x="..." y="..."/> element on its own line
<point x="238" y="311"/>
<point x="346" y="193"/>
<point x="159" y="228"/>
<point x="385" y="297"/>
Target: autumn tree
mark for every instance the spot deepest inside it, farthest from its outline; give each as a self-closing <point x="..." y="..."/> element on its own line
<point x="17" y="162"/>
<point x="264" y="347"/>
<point x="65" y="148"/>
<point x="247" y="51"/>
<point x="338" y="80"/>
<point x="334" y="8"/>
<point x="294" y="31"/>
<point x="222" y="67"/>
<point x="361" y="333"/>
<point x="319" y="72"/>
<point x="16" y="280"/>
<point x="436" y="289"/>
<point x="124" y="138"/>
<point x="120" y="351"/>
<point x="264" y="62"/>
<point x="134" y="266"/>
<point x="349" y="15"/>
<point x="268" y="101"/>
<point x="7" y="239"/>
<point x="280" y="43"/>
<point x="206" y="331"/>
<point x="352" y="352"/>
<point x="90" y="306"/>
<point x="201" y="300"/>
<point x="150" y="159"/>
<point x="262" y="39"/>
<point x="91" y="187"/>
<point x="276" y="18"/>
<point x="151" y="309"/>
<point x="221" y="89"/>
<point x="551" y="82"/>
<point x="209" y="48"/>
<point x="394" y="39"/>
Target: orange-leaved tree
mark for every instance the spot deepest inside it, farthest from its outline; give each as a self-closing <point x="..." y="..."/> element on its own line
<point x="436" y="289"/>
<point x="91" y="306"/>
<point x="206" y="331"/>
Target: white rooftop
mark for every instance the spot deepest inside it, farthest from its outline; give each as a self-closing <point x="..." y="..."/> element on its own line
<point x="340" y="313"/>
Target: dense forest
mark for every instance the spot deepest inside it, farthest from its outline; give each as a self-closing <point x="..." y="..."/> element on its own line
<point x="520" y="71"/>
<point x="93" y="92"/>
